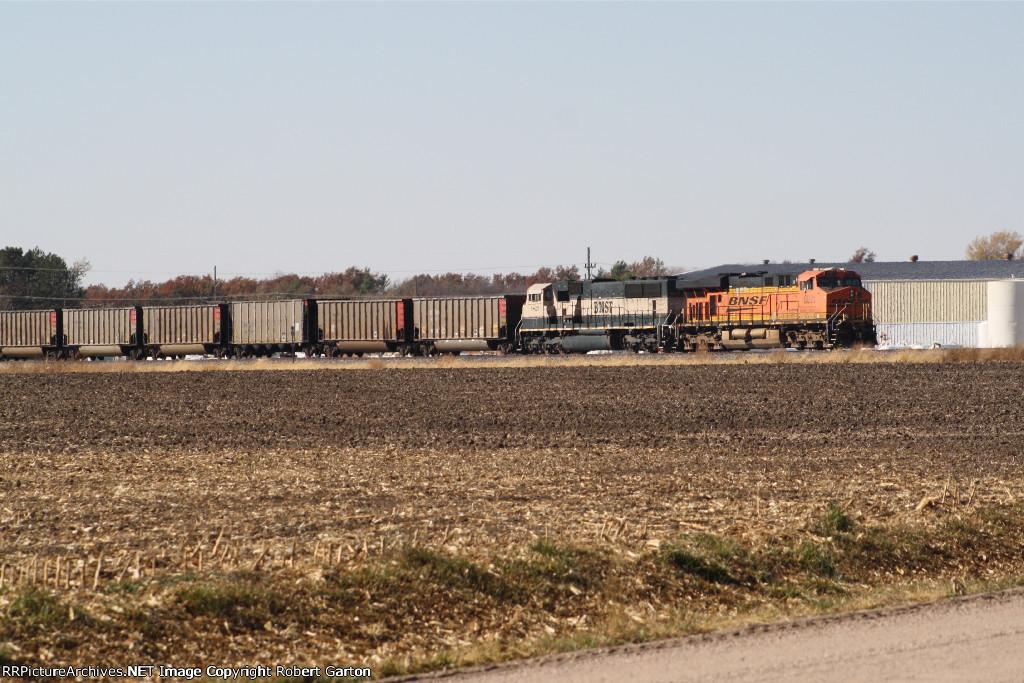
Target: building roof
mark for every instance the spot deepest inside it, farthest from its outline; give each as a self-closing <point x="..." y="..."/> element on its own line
<point x="888" y="270"/>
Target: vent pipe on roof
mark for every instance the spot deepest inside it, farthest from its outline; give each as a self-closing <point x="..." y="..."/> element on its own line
<point x="812" y="262"/>
<point x="765" y="262"/>
<point x="913" y="258"/>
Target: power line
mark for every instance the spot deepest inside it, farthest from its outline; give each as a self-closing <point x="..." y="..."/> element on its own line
<point x="258" y="295"/>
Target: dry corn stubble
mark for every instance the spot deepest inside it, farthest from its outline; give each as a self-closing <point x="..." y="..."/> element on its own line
<point x="479" y="360"/>
<point x="474" y="513"/>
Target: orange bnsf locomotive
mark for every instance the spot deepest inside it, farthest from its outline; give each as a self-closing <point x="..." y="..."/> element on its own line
<point x="821" y="309"/>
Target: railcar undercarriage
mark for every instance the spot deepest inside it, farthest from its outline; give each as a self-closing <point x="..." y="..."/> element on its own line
<point x="671" y="338"/>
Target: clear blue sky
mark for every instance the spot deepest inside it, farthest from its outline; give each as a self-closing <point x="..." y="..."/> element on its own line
<point x="162" y="138"/>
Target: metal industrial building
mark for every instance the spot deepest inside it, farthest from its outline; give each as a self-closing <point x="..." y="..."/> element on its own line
<point x="929" y="303"/>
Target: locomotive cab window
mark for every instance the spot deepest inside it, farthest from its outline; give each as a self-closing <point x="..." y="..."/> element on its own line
<point x="562" y="295"/>
<point x="535" y="297"/>
<point x="829" y="282"/>
<point x="851" y="282"/>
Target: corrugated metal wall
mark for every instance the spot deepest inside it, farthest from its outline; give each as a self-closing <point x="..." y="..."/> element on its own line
<point x="928" y="301"/>
<point x="27" y="328"/>
<point x="458" y="318"/>
<point x="358" y="320"/>
<point x="267" y="322"/>
<point x="928" y="334"/>
<point x="100" y="326"/>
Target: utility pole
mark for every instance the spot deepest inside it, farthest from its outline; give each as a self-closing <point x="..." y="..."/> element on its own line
<point x="215" y="284"/>
<point x="589" y="265"/>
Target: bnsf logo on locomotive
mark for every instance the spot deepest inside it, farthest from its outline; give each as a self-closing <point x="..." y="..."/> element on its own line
<point x="748" y="300"/>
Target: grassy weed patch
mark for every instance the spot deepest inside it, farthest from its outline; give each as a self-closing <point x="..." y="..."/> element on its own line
<point x="246" y="604"/>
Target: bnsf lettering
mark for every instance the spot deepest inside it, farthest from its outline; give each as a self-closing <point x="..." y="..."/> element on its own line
<point x="602" y="307"/>
<point x="748" y="300"/>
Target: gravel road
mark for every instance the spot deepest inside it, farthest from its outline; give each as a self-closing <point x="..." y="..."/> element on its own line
<point x="968" y="639"/>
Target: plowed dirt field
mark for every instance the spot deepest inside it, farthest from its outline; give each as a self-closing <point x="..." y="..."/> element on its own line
<point x="131" y="479"/>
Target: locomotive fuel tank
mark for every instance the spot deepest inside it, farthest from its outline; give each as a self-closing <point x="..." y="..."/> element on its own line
<point x="751" y="338"/>
<point x="588" y="341"/>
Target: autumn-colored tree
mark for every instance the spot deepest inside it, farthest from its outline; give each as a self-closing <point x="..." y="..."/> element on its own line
<point x="353" y="282"/>
<point x="863" y="255"/>
<point x="472" y="284"/>
<point x="995" y="246"/>
<point x="648" y="266"/>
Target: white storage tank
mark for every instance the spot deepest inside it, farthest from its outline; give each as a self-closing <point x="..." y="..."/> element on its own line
<point x="1005" y="309"/>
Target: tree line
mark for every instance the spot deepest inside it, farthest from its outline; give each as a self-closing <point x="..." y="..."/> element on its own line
<point x="35" y="279"/>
